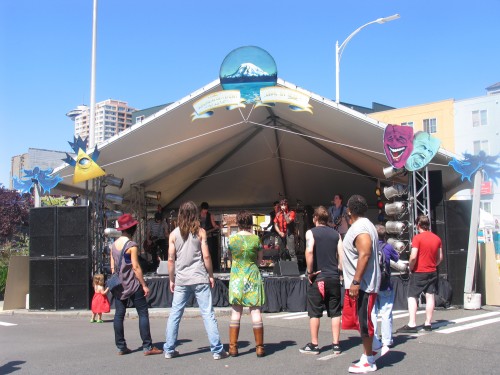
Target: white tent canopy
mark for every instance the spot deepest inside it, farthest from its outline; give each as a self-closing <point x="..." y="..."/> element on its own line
<point x="249" y="157"/>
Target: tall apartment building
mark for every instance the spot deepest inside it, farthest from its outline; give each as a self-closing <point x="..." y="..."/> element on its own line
<point x="111" y="117"/>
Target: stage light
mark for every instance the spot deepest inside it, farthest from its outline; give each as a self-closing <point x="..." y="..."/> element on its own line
<point x="112" y="232"/>
<point x="396" y="208"/>
<point x="113" y="214"/>
<point x="380" y="205"/>
<point x="378" y="192"/>
<point x="153" y="195"/>
<point x="390" y="172"/>
<point x="396" y="227"/>
<point x="398" y="245"/>
<point x="114" y="198"/>
<point x="152" y="210"/>
<point x="397" y="190"/>
<point x="112" y="181"/>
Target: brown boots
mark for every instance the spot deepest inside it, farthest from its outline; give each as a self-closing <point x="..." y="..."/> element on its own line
<point x="234" y="331"/>
<point x="258" y="332"/>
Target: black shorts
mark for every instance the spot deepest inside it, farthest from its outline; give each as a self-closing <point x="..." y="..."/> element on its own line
<point x="316" y="303"/>
<point x="425" y="282"/>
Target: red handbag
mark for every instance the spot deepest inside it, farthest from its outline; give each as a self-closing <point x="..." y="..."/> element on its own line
<point x="350" y="319"/>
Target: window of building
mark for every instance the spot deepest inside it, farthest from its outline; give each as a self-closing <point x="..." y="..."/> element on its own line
<point x="485" y="205"/>
<point x="481" y="146"/>
<point x="479" y="118"/>
<point x="408" y="123"/>
<point x="139" y="118"/>
<point x="430" y="125"/>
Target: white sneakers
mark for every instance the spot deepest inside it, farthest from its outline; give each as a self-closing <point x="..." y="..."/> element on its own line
<point x="364" y="365"/>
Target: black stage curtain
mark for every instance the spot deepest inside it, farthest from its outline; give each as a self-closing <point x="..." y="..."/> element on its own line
<point x="282" y="293"/>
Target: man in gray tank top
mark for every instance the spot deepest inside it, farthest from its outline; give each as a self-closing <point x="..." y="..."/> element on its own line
<point x="190" y="272"/>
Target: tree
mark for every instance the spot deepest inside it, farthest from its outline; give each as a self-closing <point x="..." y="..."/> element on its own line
<point x="14" y="213"/>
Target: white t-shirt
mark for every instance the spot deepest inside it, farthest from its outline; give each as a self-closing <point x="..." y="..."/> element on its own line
<point x="370" y="282"/>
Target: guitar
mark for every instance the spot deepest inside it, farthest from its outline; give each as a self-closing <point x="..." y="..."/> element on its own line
<point x="337" y="220"/>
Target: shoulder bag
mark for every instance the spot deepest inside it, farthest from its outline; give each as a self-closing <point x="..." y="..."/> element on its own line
<point x="114" y="281"/>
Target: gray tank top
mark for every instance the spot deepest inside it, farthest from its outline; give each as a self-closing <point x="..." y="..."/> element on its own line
<point x="189" y="266"/>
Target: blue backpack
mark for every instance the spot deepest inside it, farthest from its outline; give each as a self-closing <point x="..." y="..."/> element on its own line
<point x="385" y="269"/>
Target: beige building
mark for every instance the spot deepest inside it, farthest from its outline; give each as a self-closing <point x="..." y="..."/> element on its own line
<point x="435" y="118"/>
<point x="111" y="117"/>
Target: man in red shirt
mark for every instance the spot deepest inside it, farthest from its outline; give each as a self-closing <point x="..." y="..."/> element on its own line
<point x="426" y="254"/>
<point x="284" y="223"/>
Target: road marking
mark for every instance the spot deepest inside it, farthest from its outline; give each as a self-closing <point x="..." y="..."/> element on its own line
<point x="329" y="356"/>
<point x="7" y="324"/>
<point x="469" y="326"/>
<point x="285" y="315"/>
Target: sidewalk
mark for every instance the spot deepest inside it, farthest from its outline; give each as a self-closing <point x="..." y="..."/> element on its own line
<point x="189" y="312"/>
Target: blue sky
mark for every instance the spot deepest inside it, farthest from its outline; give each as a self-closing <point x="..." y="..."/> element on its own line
<point x="154" y="52"/>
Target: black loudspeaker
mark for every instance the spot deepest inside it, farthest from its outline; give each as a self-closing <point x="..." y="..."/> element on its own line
<point x="437" y="213"/>
<point x="286" y="268"/>
<point x="43" y="229"/>
<point x="73" y="283"/>
<point x="42" y="292"/>
<point x="457" y="215"/>
<point x="73" y="235"/>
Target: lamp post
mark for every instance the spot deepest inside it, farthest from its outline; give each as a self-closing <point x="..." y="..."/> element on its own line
<point x="340" y="49"/>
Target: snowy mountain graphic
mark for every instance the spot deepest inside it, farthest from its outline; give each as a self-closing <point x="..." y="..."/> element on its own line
<point x="248" y="72"/>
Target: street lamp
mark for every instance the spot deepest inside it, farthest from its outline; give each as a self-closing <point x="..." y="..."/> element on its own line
<point x="340" y="49"/>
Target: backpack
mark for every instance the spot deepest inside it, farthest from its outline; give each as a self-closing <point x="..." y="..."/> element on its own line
<point x="385" y="269"/>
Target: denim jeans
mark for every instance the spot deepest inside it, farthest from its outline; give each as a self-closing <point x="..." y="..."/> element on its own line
<point x="204" y="299"/>
<point x="141" y="305"/>
<point x="383" y="305"/>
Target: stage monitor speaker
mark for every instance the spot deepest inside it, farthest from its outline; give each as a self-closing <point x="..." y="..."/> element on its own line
<point x="42" y="284"/>
<point x="286" y="268"/>
<point x="73" y="235"/>
<point x="73" y="283"/>
<point x="43" y="228"/>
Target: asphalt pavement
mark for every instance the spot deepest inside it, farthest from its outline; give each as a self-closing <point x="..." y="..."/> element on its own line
<point x="462" y="342"/>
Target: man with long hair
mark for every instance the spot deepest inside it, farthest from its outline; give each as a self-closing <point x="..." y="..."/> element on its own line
<point x="324" y="255"/>
<point x="190" y="272"/>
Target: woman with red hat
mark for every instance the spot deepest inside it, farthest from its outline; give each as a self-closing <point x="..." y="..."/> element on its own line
<point x="133" y="287"/>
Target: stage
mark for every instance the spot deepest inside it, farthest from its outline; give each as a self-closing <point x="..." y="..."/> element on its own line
<point x="282" y="293"/>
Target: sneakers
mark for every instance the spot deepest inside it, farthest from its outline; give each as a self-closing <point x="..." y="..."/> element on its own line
<point x="310" y="349"/>
<point x="170" y="355"/>
<point x="124" y="351"/>
<point x="92" y="320"/>
<point x="380" y="352"/>
<point x="221" y="355"/>
<point x="154" y="350"/>
<point x="99" y="321"/>
<point x="362" y="367"/>
<point x="428" y="328"/>
<point x="407" y="329"/>
<point x="336" y="349"/>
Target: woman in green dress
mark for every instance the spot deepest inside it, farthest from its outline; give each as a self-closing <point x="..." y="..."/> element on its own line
<point x="245" y="284"/>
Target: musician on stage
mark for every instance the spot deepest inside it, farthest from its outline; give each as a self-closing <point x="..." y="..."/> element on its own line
<point x="156" y="239"/>
<point x="338" y="215"/>
<point x="284" y="223"/>
<point x="208" y="223"/>
<point x="272" y="214"/>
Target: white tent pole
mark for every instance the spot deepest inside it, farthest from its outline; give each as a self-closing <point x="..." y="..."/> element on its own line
<point x="474" y="224"/>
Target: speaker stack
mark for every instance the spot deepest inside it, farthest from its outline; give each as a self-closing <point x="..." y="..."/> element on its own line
<point x="60" y="266"/>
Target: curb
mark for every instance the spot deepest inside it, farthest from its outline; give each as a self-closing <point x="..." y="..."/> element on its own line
<point x="154" y="313"/>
